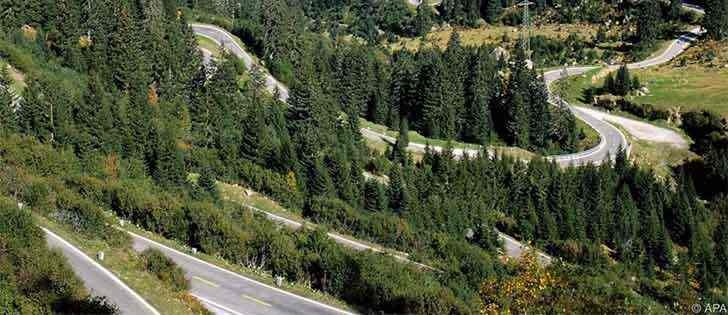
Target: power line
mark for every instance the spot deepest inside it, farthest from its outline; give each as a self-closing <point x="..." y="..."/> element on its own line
<point x="526" y="26"/>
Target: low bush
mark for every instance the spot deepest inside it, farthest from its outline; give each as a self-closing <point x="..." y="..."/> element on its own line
<point x="34" y="279"/>
<point x="165" y="269"/>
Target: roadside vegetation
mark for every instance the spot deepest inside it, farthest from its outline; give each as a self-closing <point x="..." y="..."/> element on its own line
<point x="34" y="279"/>
<point x="165" y="269"/>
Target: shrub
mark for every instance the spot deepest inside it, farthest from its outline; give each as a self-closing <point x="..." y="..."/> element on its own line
<point x="34" y="279"/>
<point x="165" y="269"/>
<point x="270" y="183"/>
<point x="82" y="215"/>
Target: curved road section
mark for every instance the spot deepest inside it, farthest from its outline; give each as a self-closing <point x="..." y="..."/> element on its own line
<point x="100" y="281"/>
<point x="611" y="139"/>
<point x="512" y="247"/>
<point x="222" y="38"/>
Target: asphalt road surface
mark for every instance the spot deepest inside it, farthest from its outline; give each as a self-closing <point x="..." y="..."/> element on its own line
<point x="99" y="281"/>
<point x="226" y="292"/>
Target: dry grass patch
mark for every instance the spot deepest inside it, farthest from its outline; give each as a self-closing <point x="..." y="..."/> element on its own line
<point x="495" y="35"/>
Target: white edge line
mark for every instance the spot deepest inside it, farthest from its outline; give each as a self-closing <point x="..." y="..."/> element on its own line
<point x="226" y="309"/>
<point x="242" y="277"/>
<point x="106" y="272"/>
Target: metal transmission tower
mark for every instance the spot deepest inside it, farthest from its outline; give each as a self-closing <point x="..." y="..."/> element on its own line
<point x="526" y="27"/>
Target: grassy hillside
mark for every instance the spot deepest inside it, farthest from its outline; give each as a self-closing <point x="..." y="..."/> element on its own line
<point x="696" y="80"/>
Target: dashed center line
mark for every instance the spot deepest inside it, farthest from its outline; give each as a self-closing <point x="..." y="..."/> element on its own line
<point x="207" y="282"/>
<point x="256" y="300"/>
<point x="221" y="307"/>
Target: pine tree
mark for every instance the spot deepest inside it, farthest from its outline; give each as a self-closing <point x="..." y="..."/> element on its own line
<point x="258" y="140"/>
<point x="649" y="21"/>
<point x="404" y="90"/>
<point x="374" y="196"/>
<point x="563" y="129"/>
<point x="479" y="122"/>
<point x="491" y="10"/>
<point x="518" y="124"/>
<point x="679" y="215"/>
<point x="626" y="225"/>
<point x="701" y="255"/>
<point x="167" y="162"/>
<point x="540" y="113"/>
<point x="622" y="82"/>
<point x="207" y="182"/>
<point x="8" y="121"/>
<point x="675" y="7"/>
<point x="320" y="183"/>
<point x="423" y="20"/>
<point x="94" y="117"/>
<point x="716" y="19"/>
<point x="125" y="55"/>
<point x="609" y="85"/>
<point x="400" y="147"/>
<point x="397" y="191"/>
<point x="454" y="71"/>
<point x="720" y="251"/>
<point x="275" y="28"/>
<point x="35" y="117"/>
<point x="434" y="102"/>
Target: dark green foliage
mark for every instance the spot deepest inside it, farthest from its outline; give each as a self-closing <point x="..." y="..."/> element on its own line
<point x="208" y="183"/>
<point x="649" y="19"/>
<point x="620" y="84"/>
<point x="674" y="11"/>
<point x="423" y="19"/>
<point x="33" y="278"/>
<point x="491" y="10"/>
<point x="165" y="269"/>
<point x="720" y="251"/>
<point x="8" y="120"/>
<point x="716" y="19"/>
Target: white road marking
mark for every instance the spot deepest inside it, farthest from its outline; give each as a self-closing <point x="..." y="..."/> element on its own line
<point x="210" y="283"/>
<point x="255" y="300"/>
<point x="206" y="301"/>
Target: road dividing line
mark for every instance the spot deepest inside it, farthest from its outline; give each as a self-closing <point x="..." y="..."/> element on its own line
<point x="256" y="300"/>
<point x="207" y="282"/>
<point x="206" y="301"/>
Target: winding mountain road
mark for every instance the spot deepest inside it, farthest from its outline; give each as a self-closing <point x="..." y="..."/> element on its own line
<point x="611" y="139"/>
<point x="231" y="293"/>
